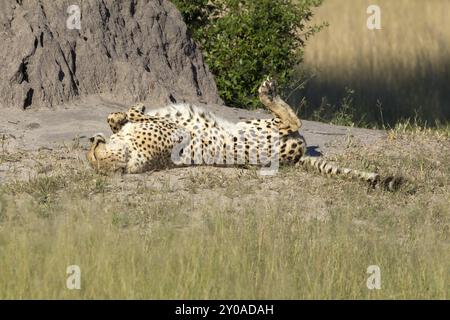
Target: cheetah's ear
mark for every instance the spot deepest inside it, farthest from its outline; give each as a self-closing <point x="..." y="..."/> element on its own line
<point x="97" y="137"/>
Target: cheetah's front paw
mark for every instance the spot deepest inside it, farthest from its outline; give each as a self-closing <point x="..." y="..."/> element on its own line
<point x="116" y="121"/>
<point x="136" y="112"/>
<point x="138" y="107"/>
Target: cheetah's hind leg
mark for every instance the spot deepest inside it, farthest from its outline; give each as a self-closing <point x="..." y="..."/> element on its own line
<point x="269" y="97"/>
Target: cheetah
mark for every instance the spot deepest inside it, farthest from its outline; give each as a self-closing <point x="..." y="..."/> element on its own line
<point x="186" y="135"/>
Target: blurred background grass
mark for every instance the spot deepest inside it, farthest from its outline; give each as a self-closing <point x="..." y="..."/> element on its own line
<point x="378" y="76"/>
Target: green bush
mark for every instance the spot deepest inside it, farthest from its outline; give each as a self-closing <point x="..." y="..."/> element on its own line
<point x="244" y="41"/>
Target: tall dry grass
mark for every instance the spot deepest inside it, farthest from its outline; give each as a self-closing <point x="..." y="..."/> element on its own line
<point x="154" y="251"/>
<point x="399" y="72"/>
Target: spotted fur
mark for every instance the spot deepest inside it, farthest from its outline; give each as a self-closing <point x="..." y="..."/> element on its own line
<point x="184" y="134"/>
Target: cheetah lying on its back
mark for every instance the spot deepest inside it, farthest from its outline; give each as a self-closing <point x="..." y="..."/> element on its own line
<point x="183" y="134"/>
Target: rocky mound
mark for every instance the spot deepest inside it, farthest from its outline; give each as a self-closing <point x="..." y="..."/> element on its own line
<point x="135" y="50"/>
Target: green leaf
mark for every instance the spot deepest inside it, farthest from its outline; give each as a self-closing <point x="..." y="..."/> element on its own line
<point x="246" y="40"/>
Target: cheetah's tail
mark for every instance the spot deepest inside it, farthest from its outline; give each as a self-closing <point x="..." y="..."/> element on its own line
<point x="324" y="167"/>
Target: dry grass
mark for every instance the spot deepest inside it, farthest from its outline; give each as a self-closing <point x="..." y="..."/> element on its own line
<point x="228" y="233"/>
<point x="399" y="72"/>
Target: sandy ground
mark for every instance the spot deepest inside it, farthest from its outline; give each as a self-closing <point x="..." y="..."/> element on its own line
<point x="49" y="128"/>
